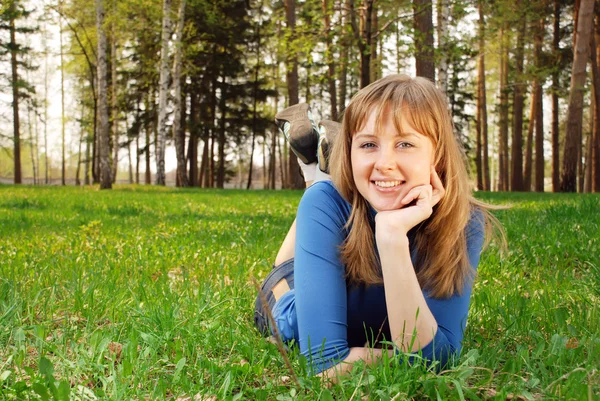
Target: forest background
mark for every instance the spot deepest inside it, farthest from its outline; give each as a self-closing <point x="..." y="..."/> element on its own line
<point x="184" y="92"/>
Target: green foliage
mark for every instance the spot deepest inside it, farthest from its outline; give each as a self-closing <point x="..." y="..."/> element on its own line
<point x="145" y="293"/>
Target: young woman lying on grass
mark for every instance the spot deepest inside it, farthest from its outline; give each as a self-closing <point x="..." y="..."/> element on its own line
<point x="386" y="249"/>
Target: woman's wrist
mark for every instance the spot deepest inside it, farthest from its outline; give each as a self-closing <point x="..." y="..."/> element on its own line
<point x="392" y="240"/>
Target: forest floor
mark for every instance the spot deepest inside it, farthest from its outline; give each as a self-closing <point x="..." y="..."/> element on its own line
<point x="146" y="293"/>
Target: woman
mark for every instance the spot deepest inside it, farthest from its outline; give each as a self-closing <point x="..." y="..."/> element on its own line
<point x="388" y="249"/>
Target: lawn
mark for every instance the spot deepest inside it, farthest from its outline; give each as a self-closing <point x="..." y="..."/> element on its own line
<point x="146" y="293"/>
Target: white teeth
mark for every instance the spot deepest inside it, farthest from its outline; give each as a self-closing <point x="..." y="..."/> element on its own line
<point x="387" y="184"/>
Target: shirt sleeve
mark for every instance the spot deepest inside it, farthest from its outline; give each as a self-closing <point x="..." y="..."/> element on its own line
<point x="319" y="276"/>
<point x="451" y="313"/>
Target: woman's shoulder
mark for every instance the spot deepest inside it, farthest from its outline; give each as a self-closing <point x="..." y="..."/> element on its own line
<point x="324" y="196"/>
<point x="476" y="224"/>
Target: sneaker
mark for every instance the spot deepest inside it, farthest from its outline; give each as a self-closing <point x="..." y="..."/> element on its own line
<point x="280" y="276"/>
<point x="328" y="131"/>
<point x="300" y="131"/>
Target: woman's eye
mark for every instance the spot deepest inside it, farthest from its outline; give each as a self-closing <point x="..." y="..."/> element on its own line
<point x="405" y="145"/>
<point x="367" y="145"/>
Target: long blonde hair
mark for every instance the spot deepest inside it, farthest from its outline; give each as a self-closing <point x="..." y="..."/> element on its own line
<point x="442" y="263"/>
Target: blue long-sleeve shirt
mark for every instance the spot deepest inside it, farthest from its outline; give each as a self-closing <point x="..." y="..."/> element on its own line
<point x="327" y="316"/>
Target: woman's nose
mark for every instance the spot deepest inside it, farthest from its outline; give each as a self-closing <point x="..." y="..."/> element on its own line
<point x="385" y="160"/>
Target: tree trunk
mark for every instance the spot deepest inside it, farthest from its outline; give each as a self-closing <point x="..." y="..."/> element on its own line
<point x="86" y="172"/>
<point x="596" y="137"/>
<point x="517" y="134"/>
<point x="443" y="13"/>
<point x="137" y="159"/>
<point x="273" y="160"/>
<point x="575" y="109"/>
<point x="31" y="142"/>
<point x="223" y="122"/>
<point x="374" y="68"/>
<point x="482" y="102"/>
<point x="178" y="126"/>
<point x="330" y="61"/>
<point x="503" y="114"/>
<point x="296" y="181"/>
<point x="539" y="110"/>
<point x="194" y="134"/>
<point x="254" y="127"/>
<point x="345" y="43"/>
<point x="103" y="129"/>
<point x="46" y="51"/>
<point x="113" y="106"/>
<point x="585" y="177"/>
<point x="95" y="136"/>
<point x="163" y="94"/>
<point x="478" y="146"/>
<point x="529" y="144"/>
<point x="81" y="139"/>
<point x="62" y="103"/>
<point x="423" y="38"/>
<point x="555" y="104"/>
<point x="15" y="93"/>
<point x="212" y="136"/>
<point x="149" y="129"/>
<point x="362" y="35"/>
<point x="203" y="178"/>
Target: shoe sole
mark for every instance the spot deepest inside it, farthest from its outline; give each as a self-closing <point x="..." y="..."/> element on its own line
<point x="332" y="130"/>
<point x="298" y="116"/>
<point x="284" y="271"/>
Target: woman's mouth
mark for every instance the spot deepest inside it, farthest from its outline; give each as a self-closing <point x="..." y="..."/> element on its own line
<point x="387" y="184"/>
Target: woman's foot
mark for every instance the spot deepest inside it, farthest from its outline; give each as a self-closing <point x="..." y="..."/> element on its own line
<point x="328" y="131"/>
<point x="277" y="283"/>
<point x="300" y="131"/>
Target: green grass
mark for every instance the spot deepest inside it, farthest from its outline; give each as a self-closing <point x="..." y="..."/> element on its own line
<point x="145" y="293"/>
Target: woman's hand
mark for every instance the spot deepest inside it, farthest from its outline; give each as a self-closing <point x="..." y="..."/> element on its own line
<point x="416" y="206"/>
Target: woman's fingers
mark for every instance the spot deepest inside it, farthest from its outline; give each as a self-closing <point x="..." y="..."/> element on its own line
<point x="438" y="190"/>
<point x="417" y="193"/>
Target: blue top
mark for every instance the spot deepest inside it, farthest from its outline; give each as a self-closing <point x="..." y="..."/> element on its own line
<point x="333" y="316"/>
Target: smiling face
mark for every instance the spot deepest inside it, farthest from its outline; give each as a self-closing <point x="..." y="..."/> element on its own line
<point x="387" y="163"/>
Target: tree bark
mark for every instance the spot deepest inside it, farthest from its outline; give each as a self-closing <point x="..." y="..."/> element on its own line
<point x="163" y="94"/>
<point x="575" y="109"/>
<point x="62" y="103"/>
<point x="596" y="138"/>
<point x="254" y="110"/>
<point x="345" y="43"/>
<point x="374" y="68"/>
<point x="15" y="93"/>
<point x="423" y="38"/>
<point x="194" y="134"/>
<point x="482" y="102"/>
<point x="527" y="170"/>
<point x="178" y="126"/>
<point x="443" y="13"/>
<point x="517" y="134"/>
<point x="330" y="61"/>
<point x="296" y="181"/>
<point x="503" y="115"/>
<point x="539" y="110"/>
<point x="149" y="129"/>
<point x="223" y="122"/>
<point x="103" y="128"/>
<point x="555" y="100"/>
<point x="113" y="106"/>
<point x="362" y="34"/>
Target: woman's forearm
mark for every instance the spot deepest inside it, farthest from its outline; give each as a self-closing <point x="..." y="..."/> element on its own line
<point x="412" y="325"/>
<point x="368" y="355"/>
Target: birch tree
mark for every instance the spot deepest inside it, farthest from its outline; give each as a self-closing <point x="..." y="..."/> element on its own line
<point x="103" y="127"/>
<point x="163" y="93"/>
<point x="178" y="127"/>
